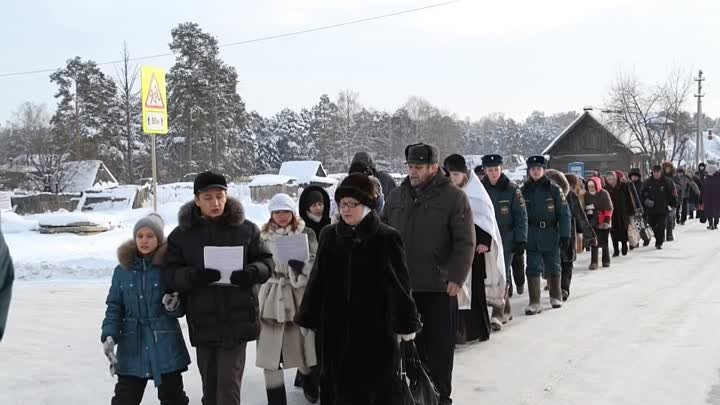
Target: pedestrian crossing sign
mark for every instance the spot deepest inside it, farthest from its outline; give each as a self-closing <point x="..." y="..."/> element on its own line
<point x="154" y="101"/>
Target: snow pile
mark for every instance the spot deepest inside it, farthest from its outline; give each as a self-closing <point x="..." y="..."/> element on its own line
<point x="14" y="223"/>
<point x="64" y="218"/>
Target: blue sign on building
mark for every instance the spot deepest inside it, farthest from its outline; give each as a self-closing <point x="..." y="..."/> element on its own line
<point x="577" y="168"/>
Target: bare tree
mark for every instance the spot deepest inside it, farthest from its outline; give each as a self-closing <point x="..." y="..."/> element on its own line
<point x="129" y="96"/>
<point x="639" y="110"/>
<point x="676" y="92"/>
<point x="348" y="105"/>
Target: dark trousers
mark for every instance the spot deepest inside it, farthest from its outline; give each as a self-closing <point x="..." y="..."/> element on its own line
<point x="681" y="212"/>
<point x="603" y="244"/>
<point x="436" y="342"/>
<point x="518" y="269"/>
<point x="129" y="390"/>
<point x="658" y="222"/>
<point x="566" y="278"/>
<point x="221" y="371"/>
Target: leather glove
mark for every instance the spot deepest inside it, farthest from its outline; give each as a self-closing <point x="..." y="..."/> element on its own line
<point x="406" y="338"/>
<point x="109" y="350"/>
<point x="171" y="301"/>
<point x="296" y="266"/>
<point x="244" y="278"/>
<point x="565" y="243"/>
<point x="204" y="277"/>
<point x="518" y="248"/>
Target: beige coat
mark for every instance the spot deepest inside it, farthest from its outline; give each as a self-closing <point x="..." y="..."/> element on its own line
<point x="280" y="298"/>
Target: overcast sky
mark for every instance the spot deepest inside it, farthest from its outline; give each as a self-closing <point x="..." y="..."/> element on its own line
<point x="470" y="58"/>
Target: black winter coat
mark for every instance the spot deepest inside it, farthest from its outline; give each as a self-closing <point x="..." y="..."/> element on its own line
<point x="304" y="207"/>
<point x="579" y="223"/>
<point x="357" y="299"/>
<point x="658" y="194"/>
<point x="217" y="315"/>
<point x="622" y="210"/>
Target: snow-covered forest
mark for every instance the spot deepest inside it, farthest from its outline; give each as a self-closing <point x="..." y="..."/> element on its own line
<point x="98" y="117"/>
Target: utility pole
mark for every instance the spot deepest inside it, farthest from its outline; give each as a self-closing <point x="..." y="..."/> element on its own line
<point x="700" y="147"/>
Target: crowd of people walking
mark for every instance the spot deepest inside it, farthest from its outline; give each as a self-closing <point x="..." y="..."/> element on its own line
<point x="417" y="262"/>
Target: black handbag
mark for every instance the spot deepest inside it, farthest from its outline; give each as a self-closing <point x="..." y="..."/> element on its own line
<point x="416" y="385"/>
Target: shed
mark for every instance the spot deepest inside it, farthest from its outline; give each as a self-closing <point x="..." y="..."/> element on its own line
<point x="307" y="173"/>
<point x="591" y="142"/>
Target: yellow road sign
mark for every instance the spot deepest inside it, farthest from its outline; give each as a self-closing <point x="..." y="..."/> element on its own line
<point x="154" y="101"/>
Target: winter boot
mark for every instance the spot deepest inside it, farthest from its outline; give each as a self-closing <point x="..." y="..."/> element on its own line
<point x="520" y="289"/>
<point x="669" y="235"/>
<point x="496" y="318"/>
<point x="646" y="242"/>
<point x="276" y="396"/>
<point x="311" y="388"/>
<point x="593" y="258"/>
<point x="616" y="249"/>
<point x="298" y="380"/>
<point x="533" y="307"/>
<point x="624" y="248"/>
<point x="555" y="291"/>
<point x="606" y="257"/>
<point x="275" y="387"/>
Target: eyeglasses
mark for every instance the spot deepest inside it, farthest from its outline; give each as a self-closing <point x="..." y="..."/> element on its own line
<point x="349" y="205"/>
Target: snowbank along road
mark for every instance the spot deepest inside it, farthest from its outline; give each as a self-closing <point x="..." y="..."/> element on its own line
<point x="644" y="331"/>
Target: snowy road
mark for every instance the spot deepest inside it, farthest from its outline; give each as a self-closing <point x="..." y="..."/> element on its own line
<point x="642" y="332"/>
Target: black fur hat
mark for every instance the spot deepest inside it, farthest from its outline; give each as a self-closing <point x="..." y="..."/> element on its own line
<point x="360" y="187"/>
<point x="455" y="163"/>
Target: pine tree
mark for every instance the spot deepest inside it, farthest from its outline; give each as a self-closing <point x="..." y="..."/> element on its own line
<point x="324" y="128"/>
<point x="267" y="158"/>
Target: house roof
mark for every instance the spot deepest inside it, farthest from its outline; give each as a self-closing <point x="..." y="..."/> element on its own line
<point x="306" y="172"/>
<point x="585" y="115"/>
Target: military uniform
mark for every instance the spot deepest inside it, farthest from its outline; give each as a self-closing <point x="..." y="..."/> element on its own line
<point x="512" y="222"/>
<point x="548" y="225"/>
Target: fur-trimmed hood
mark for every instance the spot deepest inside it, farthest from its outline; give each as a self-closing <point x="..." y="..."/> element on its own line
<point x="127" y="254"/>
<point x="189" y="215"/>
<point x="559" y="179"/>
<point x="669" y="165"/>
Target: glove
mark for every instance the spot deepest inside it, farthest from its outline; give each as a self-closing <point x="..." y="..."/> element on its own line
<point x="296" y="266"/>
<point x="638" y="212"/>
<point x="244" y="278"/>
<point x="518" y="248"/>
<point x="204" y="277"/>
<point x="565" y="243"/>
<point x="109" y="350"/>
<point x="171" y="301"/>
<point x="649" y="203"/>
<point x="304" y="331"/>
<point x="406" y="338"/>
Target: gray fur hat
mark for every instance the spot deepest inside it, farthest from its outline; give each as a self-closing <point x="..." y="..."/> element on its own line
<point x="155" y="223"/>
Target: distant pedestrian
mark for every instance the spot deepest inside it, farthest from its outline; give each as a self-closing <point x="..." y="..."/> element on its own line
<point x="659" y="198"/>
<point x="711" y="196"/>
<point x="599" y="210"/>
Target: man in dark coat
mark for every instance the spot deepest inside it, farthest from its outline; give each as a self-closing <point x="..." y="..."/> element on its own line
<point x="578" y="224"/>
<point x="221" y="318"/>
<point x="659" y="197"/>
<point x="687" y="189"/>
<point x="386" y="180"/>
<point x="511" y="218"/>
<point x="622" y="211"/>
<point x="669" y="172"/>
<point x="711" y="196"/>
<point x="548" y="233"/>
<point x="7" y="276"/>
<point x="436" y="223"/>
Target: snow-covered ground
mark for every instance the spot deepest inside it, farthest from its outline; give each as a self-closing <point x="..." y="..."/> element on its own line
<point x="641" y="332"/>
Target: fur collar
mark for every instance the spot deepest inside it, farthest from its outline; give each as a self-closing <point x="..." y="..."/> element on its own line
<point x="189" y="215"/>
<point x="128" y="254"/>
<point x="368" y="227"/>
<point x="559" y="179"/>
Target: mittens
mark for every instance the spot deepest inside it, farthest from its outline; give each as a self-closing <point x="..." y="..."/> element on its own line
<point x="296" y="266"/>
<point x="109" y="350"/>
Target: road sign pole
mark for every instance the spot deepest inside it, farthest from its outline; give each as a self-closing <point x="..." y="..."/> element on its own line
<point x="154" y="164"/>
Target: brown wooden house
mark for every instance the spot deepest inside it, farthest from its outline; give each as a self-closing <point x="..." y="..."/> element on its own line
<point x="588" y="141"/>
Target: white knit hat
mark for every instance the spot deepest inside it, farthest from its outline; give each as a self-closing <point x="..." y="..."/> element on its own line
<point x="282" y="202"/>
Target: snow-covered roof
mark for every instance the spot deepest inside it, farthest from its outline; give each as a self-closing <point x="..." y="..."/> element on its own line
<point x="83" y="175"/>
<point x="306" y="172"/>
<point x="264" y="180"/>
<point x="584" y="115"/>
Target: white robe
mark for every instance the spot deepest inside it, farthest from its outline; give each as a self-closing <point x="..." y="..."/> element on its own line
<point x="484" y="217"/>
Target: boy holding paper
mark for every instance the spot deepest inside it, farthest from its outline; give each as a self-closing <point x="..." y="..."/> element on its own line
<point x="281" y="344"/>
<point x="222" y="318"/>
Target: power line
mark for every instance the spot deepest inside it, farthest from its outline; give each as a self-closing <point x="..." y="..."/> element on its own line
<point x="260" y="39"/>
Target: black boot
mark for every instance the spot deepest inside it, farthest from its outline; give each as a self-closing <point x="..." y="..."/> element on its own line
<point x="311" y="387"/>
<point x="616" y="249"/>
<point x="606" y="257"/>
<point x="669" y="235"/>
<point x="298" y="380"/>
<point x="276" y="396"/>
<point x="624" y="248"/>
<point x="593" y="258"/>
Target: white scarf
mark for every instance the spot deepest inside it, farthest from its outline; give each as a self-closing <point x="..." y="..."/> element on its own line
<point x="484" y="217"/>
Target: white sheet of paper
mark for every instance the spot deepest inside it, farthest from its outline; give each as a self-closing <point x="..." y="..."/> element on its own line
<point x="226" y="259"/>
<point x="292" y="247"/>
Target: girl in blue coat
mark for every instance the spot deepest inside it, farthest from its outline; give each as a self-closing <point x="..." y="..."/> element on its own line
<point x="142" y="320"/>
